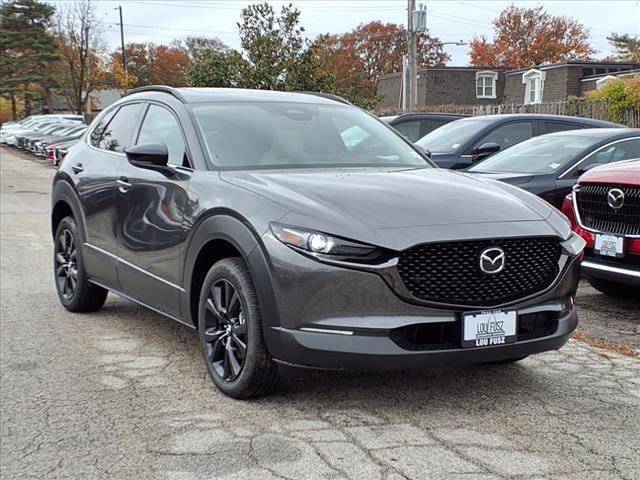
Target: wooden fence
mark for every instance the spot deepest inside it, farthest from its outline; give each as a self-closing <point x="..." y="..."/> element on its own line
<point x="578" y="108"/>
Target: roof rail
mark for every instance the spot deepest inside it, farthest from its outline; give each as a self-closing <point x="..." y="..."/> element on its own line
<point x="329" y="96"/>
<point x="158" y="88"/>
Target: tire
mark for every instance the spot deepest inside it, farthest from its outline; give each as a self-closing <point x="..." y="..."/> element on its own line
<point x="74" y="290"/>
<point x="230" y="332"/>
<point x="614" y="289"/>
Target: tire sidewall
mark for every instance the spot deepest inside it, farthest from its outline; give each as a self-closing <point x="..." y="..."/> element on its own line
<point x="68" y="223"/>
<point x="228" y="269"/>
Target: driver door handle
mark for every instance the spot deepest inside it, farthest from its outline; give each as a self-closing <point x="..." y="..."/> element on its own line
<point x="123" y="184"/>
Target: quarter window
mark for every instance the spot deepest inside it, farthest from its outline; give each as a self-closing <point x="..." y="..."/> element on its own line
<point x="486" y="84"/>
<point x="160" y="126"/>
<point x="117" y="136"/>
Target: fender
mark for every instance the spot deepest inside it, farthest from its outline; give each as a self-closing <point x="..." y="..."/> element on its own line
<point x="64" y="191"/>
<point x="223" y="226"/>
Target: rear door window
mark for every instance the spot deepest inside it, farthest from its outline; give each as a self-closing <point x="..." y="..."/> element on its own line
<point x="550" y="127"/>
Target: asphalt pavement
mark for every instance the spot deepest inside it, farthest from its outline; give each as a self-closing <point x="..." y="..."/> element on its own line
<point x="123" y="393"/>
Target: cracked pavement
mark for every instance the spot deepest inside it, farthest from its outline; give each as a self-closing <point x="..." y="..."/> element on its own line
<point x="122" y="393"/>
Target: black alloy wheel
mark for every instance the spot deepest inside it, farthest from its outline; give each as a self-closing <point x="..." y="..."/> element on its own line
<point x="230" y="331"/>
<point x="66" y="257"/>
<point x="225" y="330"/>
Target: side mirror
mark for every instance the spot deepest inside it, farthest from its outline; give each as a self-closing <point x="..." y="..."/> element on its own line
<point x="154" y="156"/>
<point x="485" y="150"/>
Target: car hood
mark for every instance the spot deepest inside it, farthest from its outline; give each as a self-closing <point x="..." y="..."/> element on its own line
<point x="349" y="202"/>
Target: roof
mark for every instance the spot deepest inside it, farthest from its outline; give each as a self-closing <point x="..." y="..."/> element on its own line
<point x="209" y="95"/>
<point x="577" y="64"/>
<point x="445" y="68"/>
<point x="540" y="116"/>
<point x="600" y="133"/>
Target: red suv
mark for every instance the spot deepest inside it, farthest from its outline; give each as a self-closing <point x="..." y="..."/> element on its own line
<point x="604" y="209"/>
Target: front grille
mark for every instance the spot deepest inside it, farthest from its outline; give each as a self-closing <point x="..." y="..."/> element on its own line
<point x="596" y="214"/>
<point x="447" y="335"/>
<point x="450" y="272"/>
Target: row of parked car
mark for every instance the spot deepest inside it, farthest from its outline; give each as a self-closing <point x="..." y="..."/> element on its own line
<point x="48" y="136"/>
<point x="588" y="168"/>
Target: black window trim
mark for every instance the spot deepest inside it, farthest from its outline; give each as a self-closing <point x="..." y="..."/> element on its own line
<point x="148" y="103"/>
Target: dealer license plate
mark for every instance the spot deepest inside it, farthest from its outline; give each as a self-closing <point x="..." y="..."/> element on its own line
<point x="489" y="328"/>
<point x="609" y="245"/>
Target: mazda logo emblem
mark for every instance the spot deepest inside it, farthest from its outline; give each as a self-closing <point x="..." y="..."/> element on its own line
<point x="492" y="260"/>
<point x="615" y="198"/>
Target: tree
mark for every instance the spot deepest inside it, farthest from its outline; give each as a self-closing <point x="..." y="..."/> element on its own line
<point x="274" y="56"/>
<point x="193" y="47"/>
<point x="530" y="36"/>
<point x="168" y="65"/>
<point x="621" y="94"/>
<point x="213" y="68"/>
<point x="81" y="44"/>
<point x="373" y="49"/>
<point x="625" y="46"/>
<point x="27" y="48"/>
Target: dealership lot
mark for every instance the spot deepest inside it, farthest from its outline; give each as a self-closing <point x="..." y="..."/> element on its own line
<point x="122" y="393"/>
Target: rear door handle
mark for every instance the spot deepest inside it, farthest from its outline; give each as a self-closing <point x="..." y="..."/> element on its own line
<point x="77" y="168"/>
<point x="123" y="184"/>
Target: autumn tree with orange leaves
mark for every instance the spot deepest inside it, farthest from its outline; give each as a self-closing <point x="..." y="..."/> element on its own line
<point x="530" y="36"/>
<point x="361" y="56"/>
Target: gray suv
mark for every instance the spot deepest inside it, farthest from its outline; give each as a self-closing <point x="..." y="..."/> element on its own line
<point x="295" y="230"/>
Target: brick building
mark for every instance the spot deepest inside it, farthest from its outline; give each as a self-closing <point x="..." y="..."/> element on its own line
<point x="478" y="86"/>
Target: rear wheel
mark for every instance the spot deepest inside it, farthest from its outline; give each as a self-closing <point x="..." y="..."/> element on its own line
<point x="614" y="289"/>
<point x="74" y="290"/>
<point x="230" y="331"/>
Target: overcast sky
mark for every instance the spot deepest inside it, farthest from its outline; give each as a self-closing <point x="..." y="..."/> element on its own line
<point x="161" y="21"/>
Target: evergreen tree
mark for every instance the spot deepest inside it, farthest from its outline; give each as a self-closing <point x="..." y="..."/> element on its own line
<point x="27" y="49"/>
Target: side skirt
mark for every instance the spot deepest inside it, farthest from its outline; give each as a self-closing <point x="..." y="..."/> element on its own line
<point x="139" y="302"/>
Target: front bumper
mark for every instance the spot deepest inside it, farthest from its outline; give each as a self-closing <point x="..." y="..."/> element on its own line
<point x="328" y="317"/>
<point x="612" y="271"/>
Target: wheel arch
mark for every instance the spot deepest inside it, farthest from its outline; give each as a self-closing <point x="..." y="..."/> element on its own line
<point x="65" y="202"/>
<point x="219" y="236"/>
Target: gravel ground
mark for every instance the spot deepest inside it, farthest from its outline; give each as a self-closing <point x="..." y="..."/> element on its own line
<point x="122" y="393"/>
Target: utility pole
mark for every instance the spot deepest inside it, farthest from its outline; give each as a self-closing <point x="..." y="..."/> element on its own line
<point x="124" y="60"/>
<point x="412" y="52"/>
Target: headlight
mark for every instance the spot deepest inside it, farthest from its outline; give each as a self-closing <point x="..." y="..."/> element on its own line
<point x="319" y="243"/>
<point x="574" y="245"/>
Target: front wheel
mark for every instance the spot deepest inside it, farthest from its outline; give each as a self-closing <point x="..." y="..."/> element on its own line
<point x="230" y="331"/>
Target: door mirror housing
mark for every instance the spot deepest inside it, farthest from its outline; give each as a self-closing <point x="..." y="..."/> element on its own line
<point x="485" y="150"/>
<point x="154" y="156"/>
<point x="424" y="150"/>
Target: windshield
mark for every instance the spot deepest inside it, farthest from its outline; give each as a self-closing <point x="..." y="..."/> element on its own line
<point x="452" y="136"/>
<point x="544" y="154"/>
<point x="281" y="135"/>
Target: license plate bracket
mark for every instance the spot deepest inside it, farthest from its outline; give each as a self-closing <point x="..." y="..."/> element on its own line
<point x="609" y="245"/>
<point x="489" y="328"/>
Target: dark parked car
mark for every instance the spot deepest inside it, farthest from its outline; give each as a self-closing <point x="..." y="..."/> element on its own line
<point x="248" y="216"/>
<point x="414" y="126"/>
<point x="604" y="209"/>
<point x="549" y="166"/>
<point x="464" y="142"/>
<point x="73" y="133"/>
